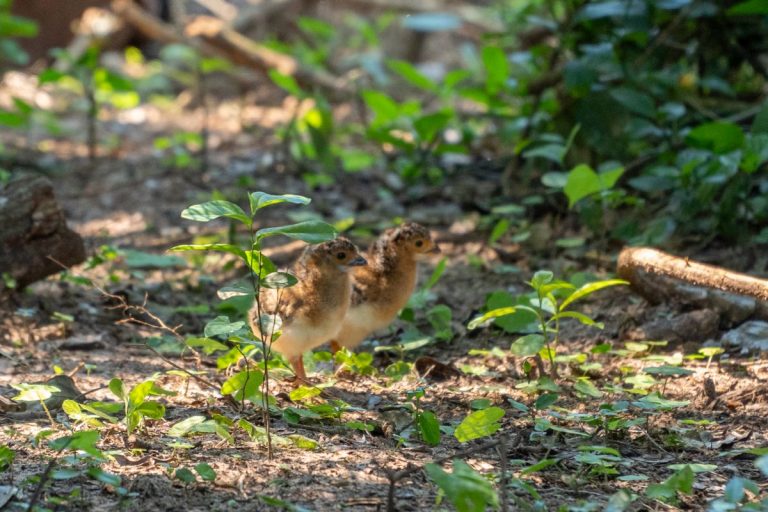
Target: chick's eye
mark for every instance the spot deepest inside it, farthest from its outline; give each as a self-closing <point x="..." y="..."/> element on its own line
<point x="341" y="255"/>
<point x="419" y="243"/>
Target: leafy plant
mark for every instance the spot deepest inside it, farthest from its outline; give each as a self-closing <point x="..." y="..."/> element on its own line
<point x="137" y="407"/>
<point x="549" y="305"/>
<point x="465" y="488"/>
<point x="262" y="274"/>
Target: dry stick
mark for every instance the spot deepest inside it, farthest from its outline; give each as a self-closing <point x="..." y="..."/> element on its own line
<point x="43" y="480"/>
<point x="502" y="449"/>
<point x="125" y="307"/>
<point x="644" y="259"/>
<point x="395" y="477"/>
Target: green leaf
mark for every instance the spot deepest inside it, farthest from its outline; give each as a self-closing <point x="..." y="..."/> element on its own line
<point x="720" y="137"/>
<point x="479" y="424"/>
<point x="117" y="389"/>
<point x="432" y="22"/>
<point x="85" y="440"/>
<point x="528" y="345"/>
<point x="429" y="428"/>
<point x="185" y="426"/>
<point x="211" y="210"/>
<point x="311" y="231"/>
<point x="34" y="392"/>
<point x="583" y="182"/>
<point x="208" y="345"/>
<point x="581" y="317"/>
<point x="304" y="393"/>
<point x="496" y="68"/>
<point x="259" y="200"/>
<point x="385" y="109"/>
<point x="588" y="289"/>
<point x="205" y="471"/>
<point x="139" y="393"/>
<point x="494" y="313"/>
<point x="428" y="127"/>
<point x="540" y="278"/>
<point x="542" y="464"/>
<point x="761" y="463"/>
<point x="465" y="488"/>
<point x="232" y="249"/>
<point x="668" y="371"/>
<point x="104" y="477"/>
<point x="750" y="7"/>
<point x="141" y="259"/>
<point x="545" y="400"/>
<point x="287" y="83"/>
<point x="244" y="384"/>
<point x="279" y="280"/>
<point x="586" y="387"/>
<point x="221" y="326"/>
<point x="410" y="74"/>
<point x="185" y="475"/>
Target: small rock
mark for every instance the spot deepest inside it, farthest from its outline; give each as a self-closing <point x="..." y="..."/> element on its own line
<point x="750" y="336"/>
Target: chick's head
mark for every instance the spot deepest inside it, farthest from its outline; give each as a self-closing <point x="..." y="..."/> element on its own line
<point x="339" y="253"/>
<point x="412" y="238"/>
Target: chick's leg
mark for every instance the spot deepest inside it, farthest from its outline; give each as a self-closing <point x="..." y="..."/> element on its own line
<point x="335" y="346"/>
<point x="298" y="367"/>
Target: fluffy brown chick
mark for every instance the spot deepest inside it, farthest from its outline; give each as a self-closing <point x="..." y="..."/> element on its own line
<point x="312" y="311"/>
<point x="383" y="287"/>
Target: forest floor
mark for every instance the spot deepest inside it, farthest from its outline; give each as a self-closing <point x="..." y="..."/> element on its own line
<point x="132" y="201"/>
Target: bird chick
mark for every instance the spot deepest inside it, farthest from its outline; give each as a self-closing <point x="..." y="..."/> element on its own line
<point x="311" y="311"/>
<point x="383" y="287"/>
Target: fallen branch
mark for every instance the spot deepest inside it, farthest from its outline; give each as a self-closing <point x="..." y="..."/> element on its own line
<point x="636" y="262"/>
<point x="215" y="38"/>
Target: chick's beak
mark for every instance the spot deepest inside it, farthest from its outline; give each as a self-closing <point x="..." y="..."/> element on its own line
<point x="357" y="262"/>
<point x="435" y="249"/>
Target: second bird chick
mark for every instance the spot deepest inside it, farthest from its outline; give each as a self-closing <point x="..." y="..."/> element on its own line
<point x="313" y="309"/>
<point x="382" y="288"/>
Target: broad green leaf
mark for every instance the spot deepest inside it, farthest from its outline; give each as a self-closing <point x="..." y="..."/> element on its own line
<point x="762" y="464"/>
<point x="211" y="210"/>
<point x="304" y="393"/>
<point x="496" y="68"/>
<point x="141" y="259"/>
<point x="586" y="387"/>
<point x="385" y="109"/>
<point x="221" y="326"/>
<point x="117" y="389"/>
<point x="259" y="200"/>
<point x="540" y="278"/>
<point x="311" y="231"/>
<point x="545" y="400"/>
<point x="85" y="440"/>
<point x="185" y="475"/>
<point x="590" y="288"/>
<point x="279" y="280"/>
<point x="34" y="392"/>
<point x="720" y="137"/>
<point x="205" y="471"/>
<point x="582" y="182"/>
<point x="749" y="8"/>
<point x="528" y="345"/>
<point x="232" y="249"/>
<point x="139" y="393"/>
<point x="104" y="477"/>
<point x="154" y="410"/>
<point x="287" y="83"/>
<point x="581" y="317"/>
<point x="244" y="384"/>
<point x="479" y="424"/>
<point x="410" y="74"/>
<point x="429" y="428"/>
<point x="711" y="351"/>
<point x="654" y="401"/>
<point x="208" y="345"/>
<point x="495" y="313"/>
<point x="467" y="489"/>
<point x="430" y="126"/>
<point x="668" y="371"/>
<point x="542" y="464"/>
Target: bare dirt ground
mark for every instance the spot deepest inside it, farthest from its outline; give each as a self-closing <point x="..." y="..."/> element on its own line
<point x="132" y="201"/>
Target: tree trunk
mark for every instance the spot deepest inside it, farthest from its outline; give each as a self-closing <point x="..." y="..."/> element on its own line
<point x="34" y="233"/>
